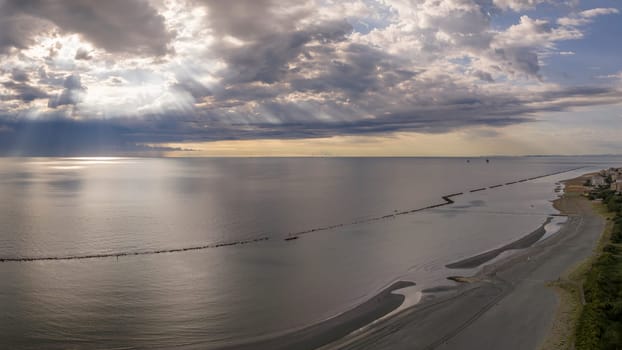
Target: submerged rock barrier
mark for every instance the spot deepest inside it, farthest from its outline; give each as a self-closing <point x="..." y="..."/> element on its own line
<point x="447" y="200"/>
<point x="135" y="253"/>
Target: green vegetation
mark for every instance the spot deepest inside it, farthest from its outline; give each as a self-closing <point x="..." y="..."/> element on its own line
<point x="600" y="322"/>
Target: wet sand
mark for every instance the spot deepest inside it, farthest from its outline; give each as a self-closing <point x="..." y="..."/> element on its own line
<point x="335" y="328"/>
<point x="522" y="243"/>
<point x="507" y="305"/>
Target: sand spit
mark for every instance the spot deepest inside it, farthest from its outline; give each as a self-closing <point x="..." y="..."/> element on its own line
<point x="521" y="243"/>
<point x="334" y="328"/>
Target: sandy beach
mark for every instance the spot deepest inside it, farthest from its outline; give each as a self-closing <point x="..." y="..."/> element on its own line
<point x="507" y="305"/>
<point x="522" y="243"/>
<point x="337" y="327"/>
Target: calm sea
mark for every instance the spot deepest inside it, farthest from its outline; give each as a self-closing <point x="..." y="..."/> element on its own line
<point x="57" y="208"/>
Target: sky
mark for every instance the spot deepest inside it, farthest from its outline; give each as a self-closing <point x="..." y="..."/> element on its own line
<point x="310" y="77"/>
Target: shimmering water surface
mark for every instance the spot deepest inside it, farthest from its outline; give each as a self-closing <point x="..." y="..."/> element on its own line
<point x="58" y="208"/>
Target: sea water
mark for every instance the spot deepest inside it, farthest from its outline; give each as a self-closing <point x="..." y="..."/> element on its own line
<point x="59" y="208"/>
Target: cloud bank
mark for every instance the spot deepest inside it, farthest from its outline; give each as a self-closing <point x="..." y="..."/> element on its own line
<point x="82" y="77"/>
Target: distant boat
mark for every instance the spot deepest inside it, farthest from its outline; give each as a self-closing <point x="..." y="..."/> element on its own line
<point x="487" y="160"/>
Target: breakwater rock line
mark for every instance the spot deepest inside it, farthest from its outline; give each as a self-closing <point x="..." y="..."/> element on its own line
<point x="447" y="201"/>
<point x="290" y="237"/>
<point x="134" y="253"/>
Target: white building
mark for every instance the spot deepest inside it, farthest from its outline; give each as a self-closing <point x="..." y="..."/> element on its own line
<point x="617" y="186"/>
<point x="612" y="173"/>
<point x="598" y="180"/>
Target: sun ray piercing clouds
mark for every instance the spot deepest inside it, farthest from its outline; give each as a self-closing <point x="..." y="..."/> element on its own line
<point x="309" y="77"/>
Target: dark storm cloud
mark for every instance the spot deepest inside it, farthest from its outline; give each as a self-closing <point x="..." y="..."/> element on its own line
<point x="22" y="91"/>
<point x="257" y="69"/>
<point x="520" y="60"/>
<point x="82" y="54"/>
<point x="266" y="60"/>
<point x="19" y="75"/>
<point x="54" y="135"/>
<point x="281" y="53"/>
<point x="273" y="34"/>
<point x="251" y="19"/>
<point x="495" y="111"/>
<point x="361" y="69"/>
<point x="114" y="25"/>
<point x="275" y="51"/>
<point x="71" y="94"/>
<point x="485" y="76"/>
<point x="17" y="27"/>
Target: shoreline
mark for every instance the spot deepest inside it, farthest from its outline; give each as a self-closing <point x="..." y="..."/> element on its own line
<point x="334" y="328"/>
<point x="385" y="309"/>
<point x="507" y="304"/>
<point x="569" y="287"/>
<point x="521" y="243"/>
